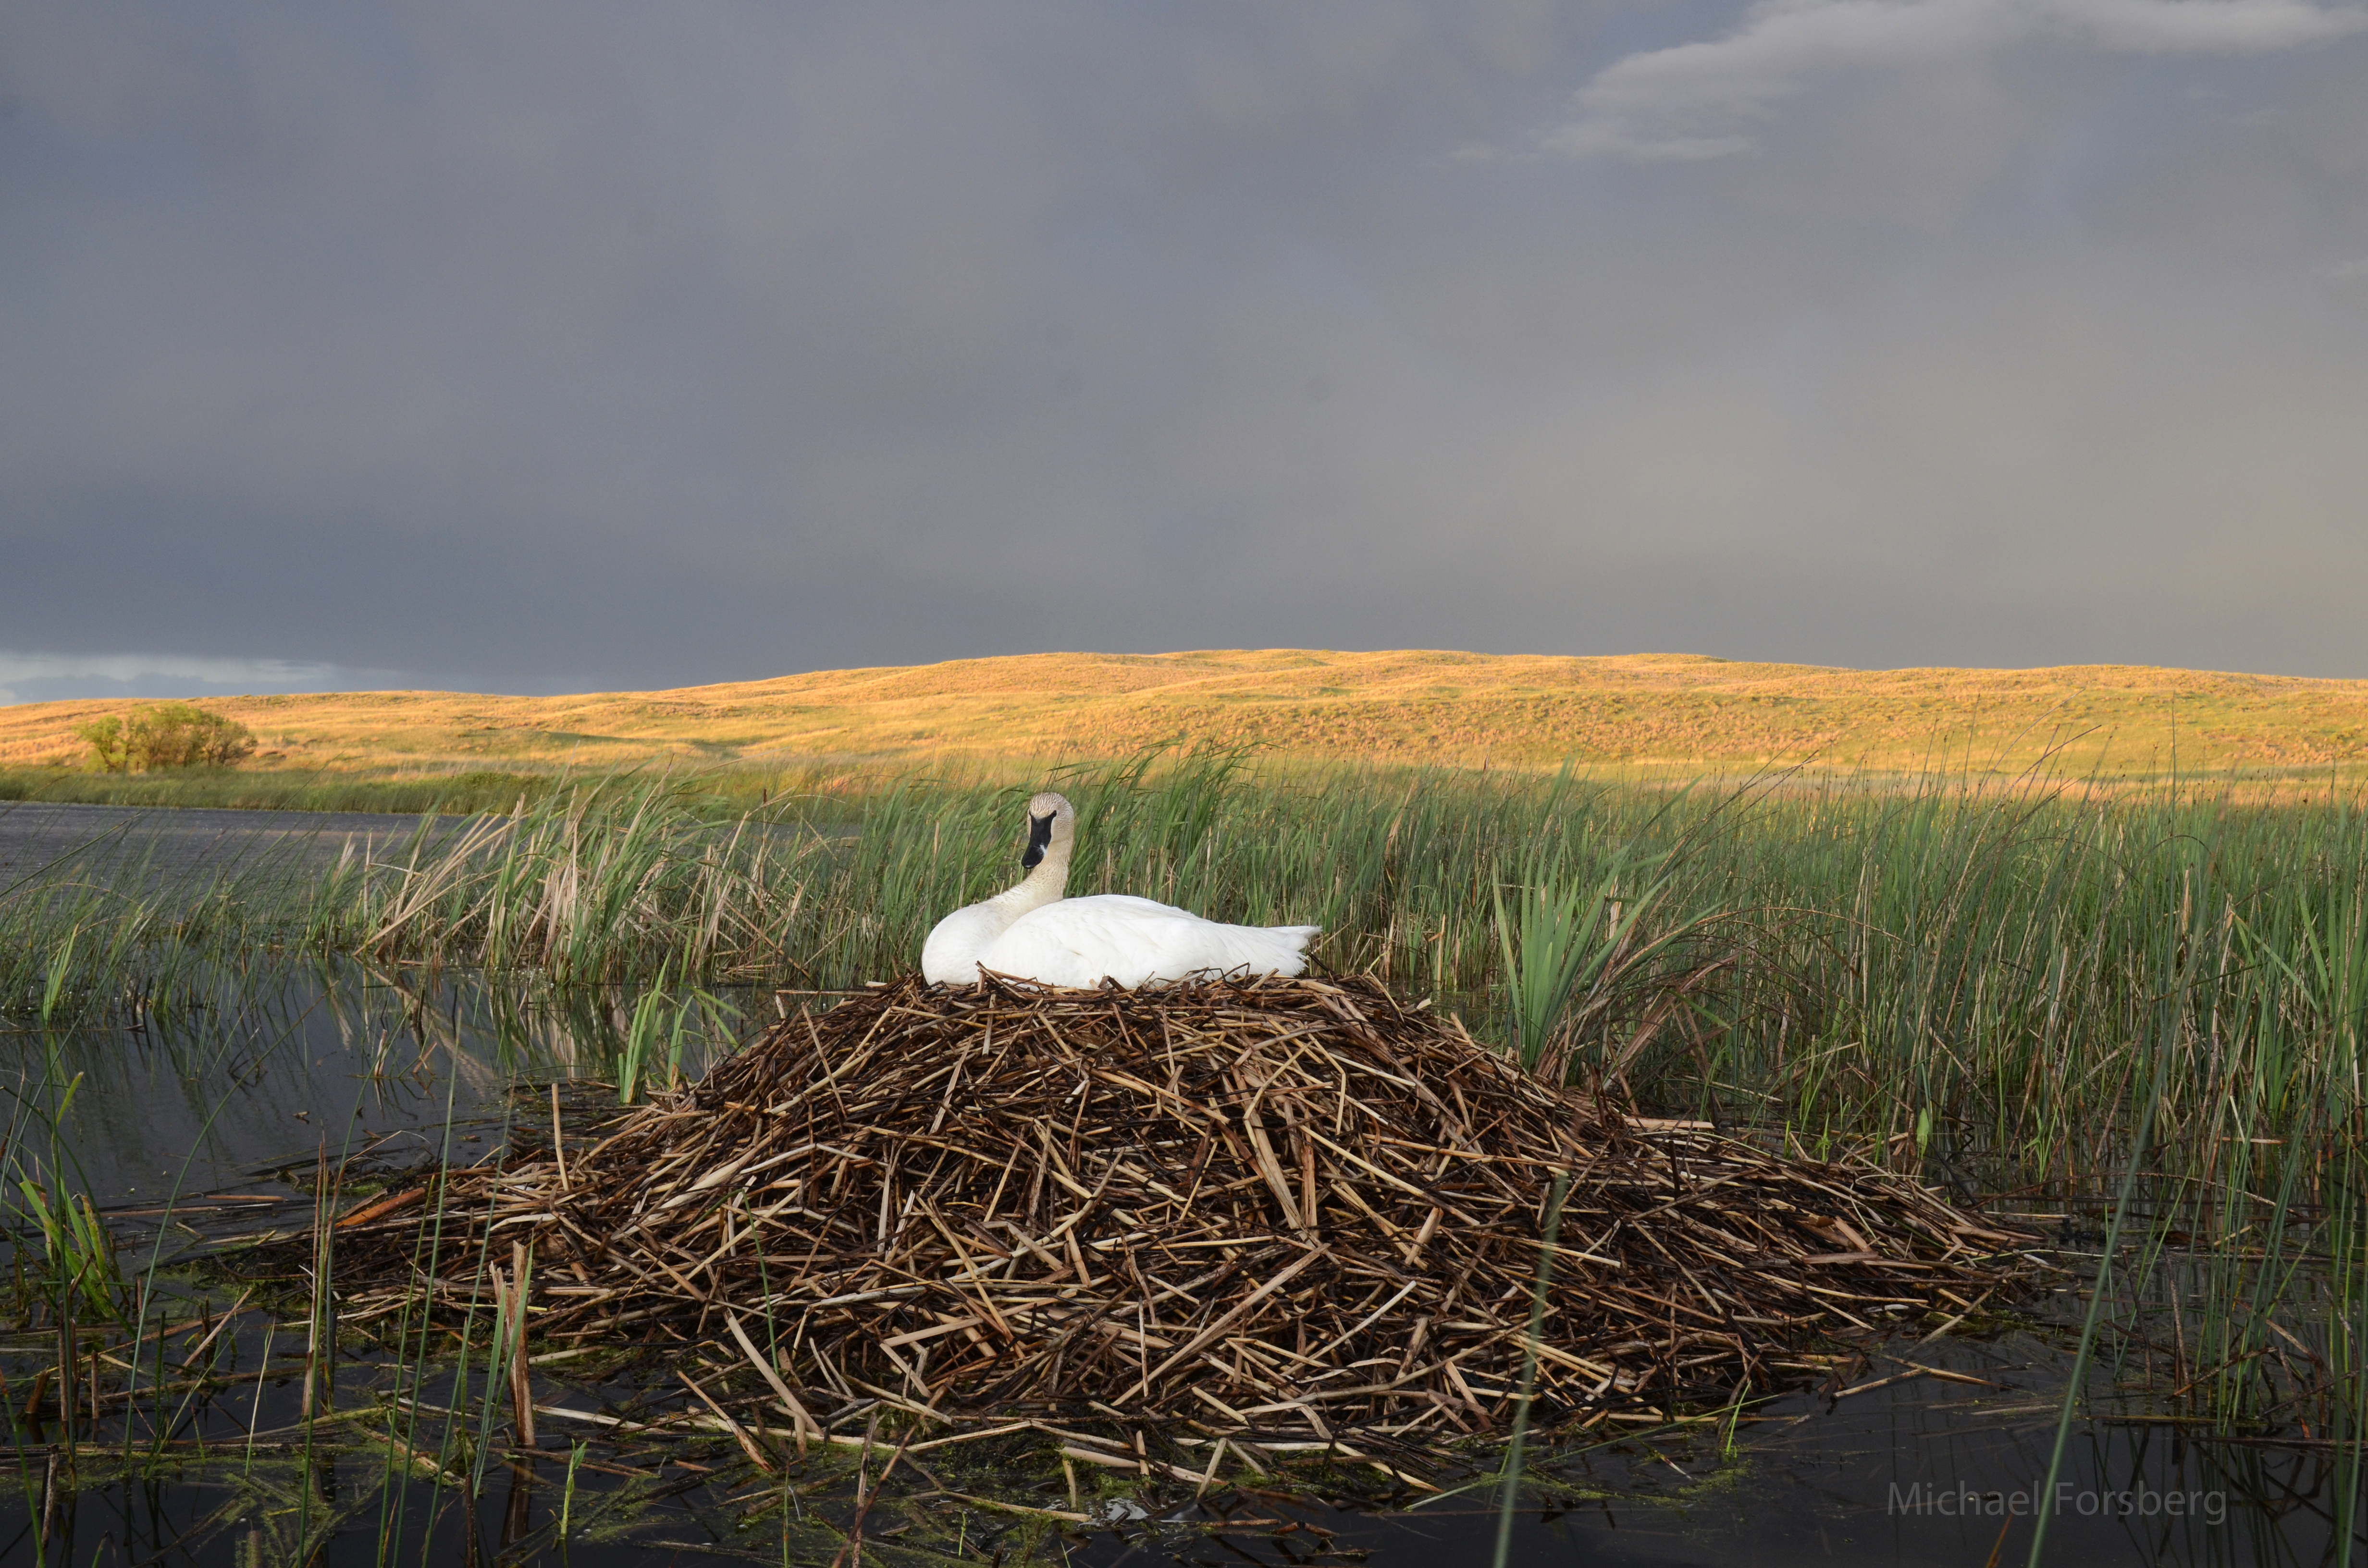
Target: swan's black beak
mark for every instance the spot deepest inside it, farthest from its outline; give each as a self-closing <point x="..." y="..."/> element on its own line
<point x="1039" y="839"/>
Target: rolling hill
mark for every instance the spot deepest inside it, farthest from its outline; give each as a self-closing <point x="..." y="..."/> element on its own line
<point x="1635" y="714"/>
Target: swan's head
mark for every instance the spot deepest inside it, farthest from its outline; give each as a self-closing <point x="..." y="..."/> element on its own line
<point x="1050" y="821"/>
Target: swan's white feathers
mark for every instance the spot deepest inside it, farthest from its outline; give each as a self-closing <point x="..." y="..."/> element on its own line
<point x="950" y="955"/>
<point x="1083" y="941"/>
<point x="1030" y="931"/>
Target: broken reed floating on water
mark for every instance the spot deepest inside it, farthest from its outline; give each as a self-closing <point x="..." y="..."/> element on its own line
<point x="1281" y="1209"/>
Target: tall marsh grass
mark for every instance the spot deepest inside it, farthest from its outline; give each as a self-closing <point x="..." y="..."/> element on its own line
<point x="1994" y="987"/>
<point x="1944" y="967"/>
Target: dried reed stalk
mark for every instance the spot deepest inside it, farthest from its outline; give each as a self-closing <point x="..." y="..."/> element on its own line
<point x="1282" y="1209"/>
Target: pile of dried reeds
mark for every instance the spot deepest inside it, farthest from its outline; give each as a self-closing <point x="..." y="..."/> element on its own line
<point x="1282" y="1209"/>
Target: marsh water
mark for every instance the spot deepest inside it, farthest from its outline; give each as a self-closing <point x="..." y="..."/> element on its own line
<point x="167" y="844"/>
<point x="214" y="1121"/>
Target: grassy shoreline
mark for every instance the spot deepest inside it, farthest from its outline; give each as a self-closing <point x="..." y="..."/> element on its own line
<point x="726" y="790"/>
<point x="218" y="789"/>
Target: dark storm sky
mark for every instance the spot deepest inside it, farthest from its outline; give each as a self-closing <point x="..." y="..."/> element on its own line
<point x="549" y="347"/>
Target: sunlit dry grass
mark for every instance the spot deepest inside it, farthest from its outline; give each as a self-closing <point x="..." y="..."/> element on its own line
<point x="1639" y="716"/>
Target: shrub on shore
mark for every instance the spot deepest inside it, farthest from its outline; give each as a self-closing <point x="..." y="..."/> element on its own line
<point x="166" y="734"/>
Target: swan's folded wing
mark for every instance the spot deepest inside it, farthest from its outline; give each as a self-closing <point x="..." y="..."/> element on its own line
<point x="1124" y="905"/>
<point x="1081" y="941"/>
<point x="1076" y="943"/>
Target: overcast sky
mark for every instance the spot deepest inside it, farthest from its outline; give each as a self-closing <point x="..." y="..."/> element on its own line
<point x="542" y="349"/>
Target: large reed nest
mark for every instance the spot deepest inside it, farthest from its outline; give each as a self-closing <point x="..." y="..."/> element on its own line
<point x="1278" y="1208"/>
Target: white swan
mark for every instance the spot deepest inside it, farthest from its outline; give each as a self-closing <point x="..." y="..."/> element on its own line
<point x="1032" y="932"/>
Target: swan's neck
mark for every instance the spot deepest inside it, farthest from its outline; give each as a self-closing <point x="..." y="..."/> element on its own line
<point x="1040" y="887"/>
<point x="953" y="951"/>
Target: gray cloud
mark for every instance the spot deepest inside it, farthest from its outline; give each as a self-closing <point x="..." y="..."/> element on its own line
<point x="562" y="347"/>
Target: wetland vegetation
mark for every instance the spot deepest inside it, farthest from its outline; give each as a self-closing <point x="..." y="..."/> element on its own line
<point x="2136" y="1017"/>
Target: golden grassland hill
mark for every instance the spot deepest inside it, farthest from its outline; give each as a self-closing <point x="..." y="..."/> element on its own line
<point x="1634" y="713"/>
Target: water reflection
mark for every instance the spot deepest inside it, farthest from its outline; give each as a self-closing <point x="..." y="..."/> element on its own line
<point x="265" y="1071"/>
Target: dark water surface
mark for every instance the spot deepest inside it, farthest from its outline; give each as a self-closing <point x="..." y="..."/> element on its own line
<point x="226" y="1110"/>
<point x="175" y="845"/>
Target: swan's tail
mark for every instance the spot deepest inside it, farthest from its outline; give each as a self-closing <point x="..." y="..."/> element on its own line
<point x="1271" y="950"/>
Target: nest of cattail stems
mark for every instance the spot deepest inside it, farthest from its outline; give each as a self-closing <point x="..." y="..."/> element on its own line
<point x="1286" y="1211"/>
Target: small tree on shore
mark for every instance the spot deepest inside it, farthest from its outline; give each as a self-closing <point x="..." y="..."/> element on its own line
<point x="167" y="735"/>
<point x="106" y="738"/>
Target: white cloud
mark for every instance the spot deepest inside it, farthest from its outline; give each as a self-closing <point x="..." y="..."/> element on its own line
<point x="1701" y="100"/>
